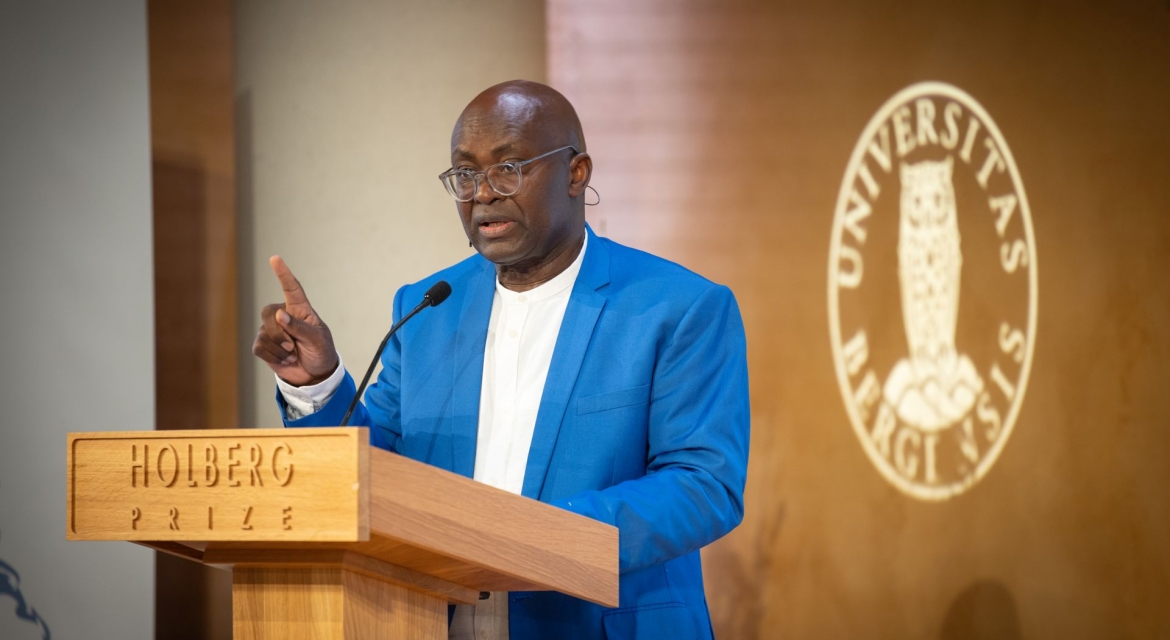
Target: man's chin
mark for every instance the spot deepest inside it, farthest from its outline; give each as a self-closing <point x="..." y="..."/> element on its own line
<point x="500" y="252"/>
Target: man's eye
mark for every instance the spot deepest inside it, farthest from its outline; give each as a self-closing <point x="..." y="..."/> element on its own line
<point x="506" y="169"/>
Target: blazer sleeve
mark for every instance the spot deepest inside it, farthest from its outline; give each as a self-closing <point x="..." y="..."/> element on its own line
<point x="699" y="428"/>
<point x="383" y="413"/>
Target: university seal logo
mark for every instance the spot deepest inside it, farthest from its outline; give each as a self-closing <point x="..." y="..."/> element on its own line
<point x="932" y="291"/>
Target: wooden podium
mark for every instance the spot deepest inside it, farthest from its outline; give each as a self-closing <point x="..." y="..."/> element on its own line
<point x="327" y="537"/>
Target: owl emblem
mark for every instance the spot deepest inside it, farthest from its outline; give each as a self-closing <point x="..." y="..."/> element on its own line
<point x="935" y="386"/>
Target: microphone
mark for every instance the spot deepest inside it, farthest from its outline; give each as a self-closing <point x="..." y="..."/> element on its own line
<point x="432" y="298"/>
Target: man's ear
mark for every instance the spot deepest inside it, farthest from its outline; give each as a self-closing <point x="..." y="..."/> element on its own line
<point x="580" y="170"/>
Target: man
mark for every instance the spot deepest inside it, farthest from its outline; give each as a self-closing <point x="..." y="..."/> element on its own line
<point x="564" y="367"/>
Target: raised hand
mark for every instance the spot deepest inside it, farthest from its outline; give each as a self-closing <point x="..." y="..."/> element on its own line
<point x="293" y="340"/>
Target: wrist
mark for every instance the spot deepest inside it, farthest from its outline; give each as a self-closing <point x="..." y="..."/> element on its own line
<point x="316" y="380"/>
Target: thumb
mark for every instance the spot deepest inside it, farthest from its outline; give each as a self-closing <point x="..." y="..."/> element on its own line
<point x="297" y="328"/>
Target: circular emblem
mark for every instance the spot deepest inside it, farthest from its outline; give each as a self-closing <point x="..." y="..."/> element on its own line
<point x="932" y="291"/>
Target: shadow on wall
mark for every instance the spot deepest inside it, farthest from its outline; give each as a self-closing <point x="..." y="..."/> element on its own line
<point x="983" y="611"/>
<point x="9" y="586"/>
<point x="743" y="573"/>
<point x="180" y="239"/>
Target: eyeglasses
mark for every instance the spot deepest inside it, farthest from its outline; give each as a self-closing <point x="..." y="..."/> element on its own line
<point x="504" y="178"/>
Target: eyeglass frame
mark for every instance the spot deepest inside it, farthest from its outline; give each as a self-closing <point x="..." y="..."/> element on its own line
<point x="519" y="174"/>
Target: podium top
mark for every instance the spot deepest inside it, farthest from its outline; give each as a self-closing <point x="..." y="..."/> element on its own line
<point x="211" y="495"/>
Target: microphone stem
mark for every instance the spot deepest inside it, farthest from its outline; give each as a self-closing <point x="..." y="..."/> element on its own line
<point x="378" y="356"/>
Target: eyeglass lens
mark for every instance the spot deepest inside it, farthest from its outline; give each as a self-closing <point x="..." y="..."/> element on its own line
<point x="504" y="179"/>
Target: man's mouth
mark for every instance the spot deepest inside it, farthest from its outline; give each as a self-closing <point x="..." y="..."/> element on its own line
<point x="496" y="228"/>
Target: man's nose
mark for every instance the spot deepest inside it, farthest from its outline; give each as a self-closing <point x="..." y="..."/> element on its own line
<point x="484" y="193"/>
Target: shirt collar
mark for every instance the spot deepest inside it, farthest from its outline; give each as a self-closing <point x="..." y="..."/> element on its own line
<point x="559" y="284"/>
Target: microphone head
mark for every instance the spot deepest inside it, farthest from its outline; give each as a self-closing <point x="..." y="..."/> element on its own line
<point x="437" y="293"/>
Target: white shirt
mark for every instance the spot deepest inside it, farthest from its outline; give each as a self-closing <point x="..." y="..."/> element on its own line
<point x="522" y="334"/>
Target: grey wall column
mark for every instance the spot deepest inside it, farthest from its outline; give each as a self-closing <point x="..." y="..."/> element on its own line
<point x="76" y="336"/>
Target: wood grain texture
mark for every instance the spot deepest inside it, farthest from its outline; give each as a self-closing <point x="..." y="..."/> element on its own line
<point x="423" y="520"/>
<point x="348" y="560"/>
<point x="252" y="484"/>
<point x="435" y="563"/>
<point x="332" y="603"/>
<point x="444" y="525"/>
<point x="441" y="512"/>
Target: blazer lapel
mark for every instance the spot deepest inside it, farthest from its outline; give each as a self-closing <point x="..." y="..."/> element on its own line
<point x="470" y="340"/>
<point x="585" y="305"/>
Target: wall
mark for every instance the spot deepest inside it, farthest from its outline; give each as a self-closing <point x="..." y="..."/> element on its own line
<point x="343" y="117"/>
<point x="721" y="135"/>
<point x="75" y="280"/>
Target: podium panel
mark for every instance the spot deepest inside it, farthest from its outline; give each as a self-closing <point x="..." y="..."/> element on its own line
<point x="327" y="537"/>
<point x="254" y="484"/>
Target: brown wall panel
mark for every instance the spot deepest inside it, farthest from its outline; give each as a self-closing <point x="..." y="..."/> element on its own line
<point x="193" y="179"/>
<point x="721" y="133"/>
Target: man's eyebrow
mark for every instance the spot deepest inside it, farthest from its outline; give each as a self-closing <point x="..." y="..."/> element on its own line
<point x="460" y="152"/>
<point x="507" y="146"/>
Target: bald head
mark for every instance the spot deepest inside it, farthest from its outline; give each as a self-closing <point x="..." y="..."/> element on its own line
<point x="531" y="111"/>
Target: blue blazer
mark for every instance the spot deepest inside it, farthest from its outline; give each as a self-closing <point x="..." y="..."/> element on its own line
<point x="643" y="424"/>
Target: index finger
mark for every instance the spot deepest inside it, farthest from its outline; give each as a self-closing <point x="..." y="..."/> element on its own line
<point x="293" y="293"/>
